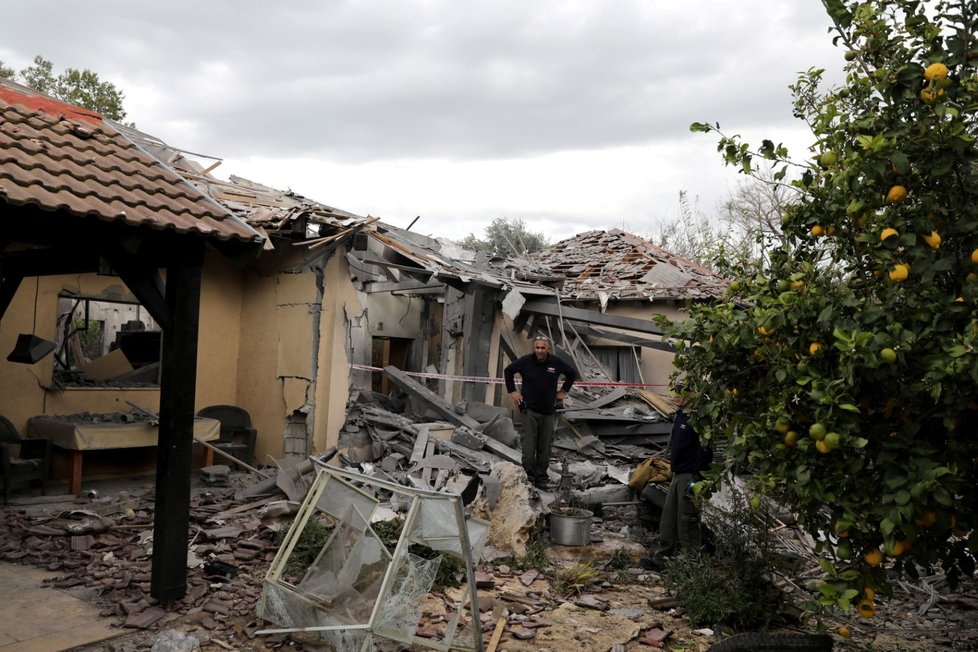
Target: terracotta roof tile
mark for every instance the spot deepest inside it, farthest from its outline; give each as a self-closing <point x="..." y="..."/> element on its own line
<point x="598" y="265"/>
<point x="61" y="160"/>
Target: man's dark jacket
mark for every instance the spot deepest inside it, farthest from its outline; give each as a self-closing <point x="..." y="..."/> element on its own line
<point x="540" y="380"/>
<point x="686" y="455"/>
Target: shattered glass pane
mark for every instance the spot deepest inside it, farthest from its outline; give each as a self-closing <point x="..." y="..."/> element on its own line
<point x="478" y="531"/>
<point x="348" y="573"/>
<point x="341" y="588"/>
<point x="437" y="526"/>
<point x="411" y="583"/>
<point x="340" y="496"/>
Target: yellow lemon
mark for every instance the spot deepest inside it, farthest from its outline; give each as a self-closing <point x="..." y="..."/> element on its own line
<point x="974" y="256"/>
<point x="896" y="195"/>
<point x="764" y="331"/>
<point x="873" y="557"/>
<point x="935" y="72"/>
<point x="933" y="240"/>
<point x="790" y="438"/>
<point x="817" y="230"/>
<point x="900" y="272"/>
<point x="930" y="95"/>
<point x="888" y="233"/>
<point x="814" y="348"/>
<point x="794" y="285"/>
<point x="843" y="631"/>
<point x="889" y="355"/>
<point x="822" y="447"/>
<point x="865" y="609"/>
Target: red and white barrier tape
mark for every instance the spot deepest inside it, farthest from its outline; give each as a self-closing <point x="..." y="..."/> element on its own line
<point x="483" y="379"/>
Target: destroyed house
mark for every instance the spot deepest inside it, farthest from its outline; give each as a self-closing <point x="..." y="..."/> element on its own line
<point x="319" y="304"/>
<point x="609" y="286"/>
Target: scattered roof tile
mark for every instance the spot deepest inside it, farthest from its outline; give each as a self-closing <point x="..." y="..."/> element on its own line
<point x="599" y="265"/>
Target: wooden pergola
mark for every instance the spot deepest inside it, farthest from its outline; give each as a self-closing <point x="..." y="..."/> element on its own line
<point x="77" y="197"/>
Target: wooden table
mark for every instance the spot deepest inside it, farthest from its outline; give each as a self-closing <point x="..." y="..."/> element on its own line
<point x="76" y="438"/>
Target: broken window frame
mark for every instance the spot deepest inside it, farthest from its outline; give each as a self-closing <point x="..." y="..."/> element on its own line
<point x="335" y="493"/>
<point x="63" y="372"/>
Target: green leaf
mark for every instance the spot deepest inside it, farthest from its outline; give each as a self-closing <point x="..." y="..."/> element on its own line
<point x="849" y="407"/>
<point x="828" y="569"/>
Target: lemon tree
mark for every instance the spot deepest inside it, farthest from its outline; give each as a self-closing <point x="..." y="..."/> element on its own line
<point x="861" y="337"/>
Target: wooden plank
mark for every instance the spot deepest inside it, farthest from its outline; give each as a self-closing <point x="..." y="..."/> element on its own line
<point x="664" y="405"/>
<point x="497" y="634"/>
<point x="420" y="444"/>
<point x="587" y="329"/>
<point x="552" y="309"/>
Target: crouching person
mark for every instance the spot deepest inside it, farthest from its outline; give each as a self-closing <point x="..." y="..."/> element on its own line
<point x="680" y="527"/>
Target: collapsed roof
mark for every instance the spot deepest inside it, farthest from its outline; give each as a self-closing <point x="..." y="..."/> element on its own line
<point x="616" y="265"/>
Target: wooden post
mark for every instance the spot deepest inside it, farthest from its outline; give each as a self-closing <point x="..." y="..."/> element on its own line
<point x="176" y="433"/>
<point x="480" y="313"/>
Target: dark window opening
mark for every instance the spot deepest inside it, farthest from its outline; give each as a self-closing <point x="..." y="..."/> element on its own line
<point x="106" y="342"/>
<point x="621" y="362"/>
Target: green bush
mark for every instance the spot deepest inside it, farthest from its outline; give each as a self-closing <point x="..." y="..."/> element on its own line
<point x="732" y="586"/>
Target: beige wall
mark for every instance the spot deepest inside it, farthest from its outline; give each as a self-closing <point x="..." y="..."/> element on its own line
<point x="341" y="304"/>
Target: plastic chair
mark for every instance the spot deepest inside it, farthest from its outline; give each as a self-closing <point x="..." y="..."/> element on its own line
<point x="237" y="436"/>
<point x="32" y="463"/>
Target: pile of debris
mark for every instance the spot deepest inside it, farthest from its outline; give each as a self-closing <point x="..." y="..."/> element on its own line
<point x="102" y="547"/>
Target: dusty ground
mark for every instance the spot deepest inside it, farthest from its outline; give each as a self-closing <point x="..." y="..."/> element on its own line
<point x="615" y="612"/>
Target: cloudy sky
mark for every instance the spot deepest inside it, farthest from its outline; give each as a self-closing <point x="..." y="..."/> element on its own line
<point x="569" y="114"/>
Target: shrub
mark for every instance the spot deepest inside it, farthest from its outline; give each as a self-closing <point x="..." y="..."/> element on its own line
<point x="733" y="585"/>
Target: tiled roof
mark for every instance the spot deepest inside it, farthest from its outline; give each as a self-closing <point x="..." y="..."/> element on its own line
<point x="606" y="265"/>
<point x="62" y="158"/>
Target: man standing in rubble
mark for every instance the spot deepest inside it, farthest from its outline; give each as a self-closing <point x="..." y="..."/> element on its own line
<point x="680" y="525"/>
<point x="539" y="373"/>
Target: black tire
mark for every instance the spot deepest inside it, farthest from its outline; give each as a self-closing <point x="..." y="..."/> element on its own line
<point x="758" y="642"/>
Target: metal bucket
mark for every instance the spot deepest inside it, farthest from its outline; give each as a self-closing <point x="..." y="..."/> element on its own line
<point x="570" y="526"/>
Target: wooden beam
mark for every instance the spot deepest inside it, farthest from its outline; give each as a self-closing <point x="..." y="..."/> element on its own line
<point x="404" y="285"/>
<point x="591" y="317"/>
<point x="480" y="313"/>
<point x="146" y="284"/>
<point x="176" y="431"/>
<point x="587" y="329"/>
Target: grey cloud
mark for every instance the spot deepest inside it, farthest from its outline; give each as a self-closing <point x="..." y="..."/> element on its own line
<point x="366" y="80"/>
